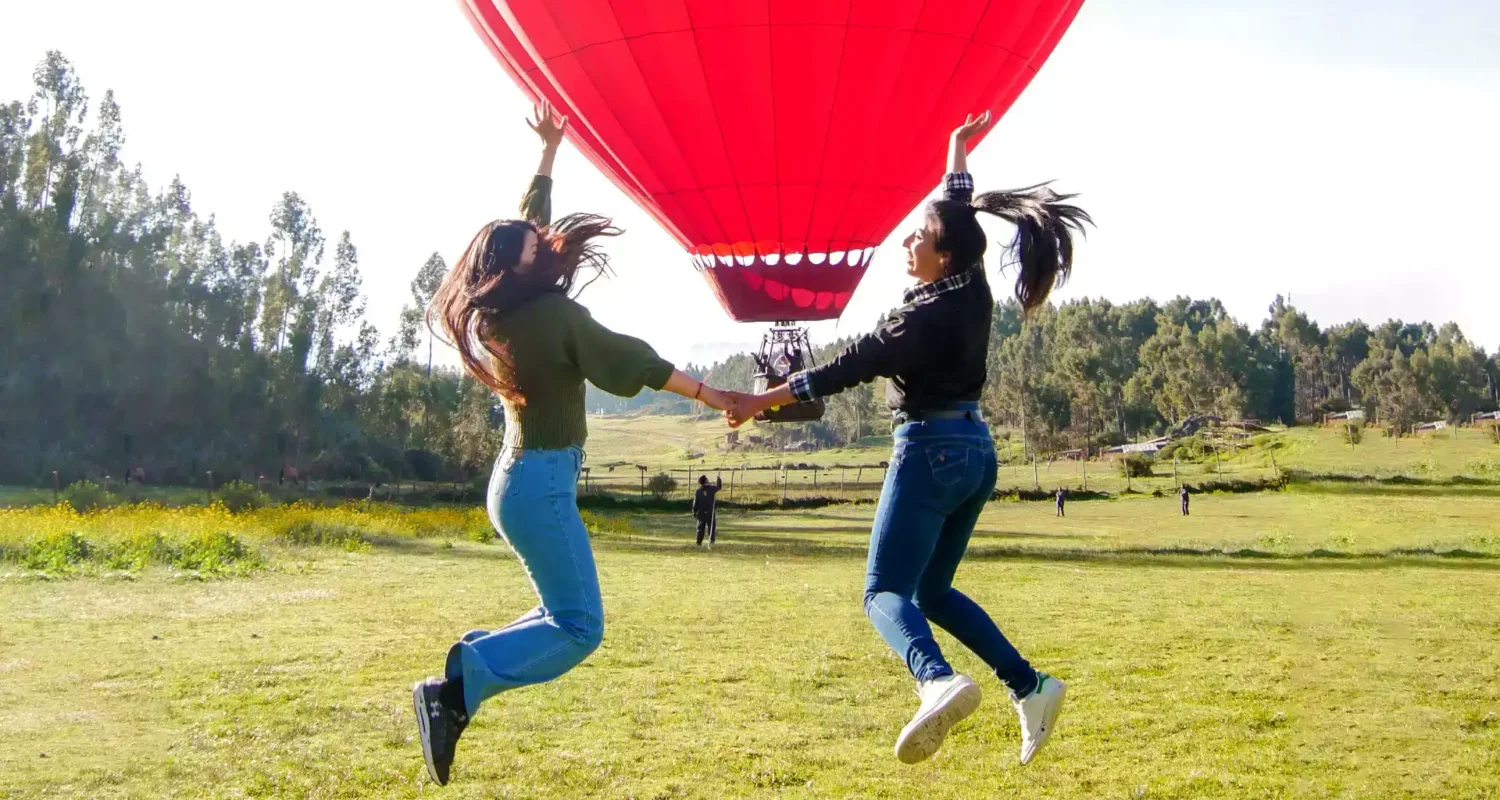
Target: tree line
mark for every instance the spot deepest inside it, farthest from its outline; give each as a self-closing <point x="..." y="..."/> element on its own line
<point x="133" y="333"/>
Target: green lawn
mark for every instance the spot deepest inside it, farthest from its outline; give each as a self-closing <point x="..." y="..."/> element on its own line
<point x="751" y="670"/>
<point x="1465" y="451"/>
<point x="616" y="444"/>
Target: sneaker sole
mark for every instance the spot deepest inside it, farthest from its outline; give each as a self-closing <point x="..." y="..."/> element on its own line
<point x="1050" y="725"/>
<point x="423" y="733"/>
<point x="922" y="737"/>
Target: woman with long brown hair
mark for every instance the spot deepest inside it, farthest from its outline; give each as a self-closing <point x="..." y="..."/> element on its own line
<point x="507" y="307"/>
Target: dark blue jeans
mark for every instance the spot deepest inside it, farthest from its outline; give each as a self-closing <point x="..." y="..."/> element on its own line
<point x="941" y="475"/>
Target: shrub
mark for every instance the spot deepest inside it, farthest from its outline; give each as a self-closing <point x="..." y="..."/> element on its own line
<point x="85" y="496"/>
<point x="425" y="464"/>
<point x="1137" y="465"/>
<point x="239" y="497"/>
<point x="310" y="533"/>
<point x="661" y="486"/>
<point x="1353" y="434"/>
<point x="1483" y="466"/>
<point x="214" y="552"/>
<point x="57" y="553"/>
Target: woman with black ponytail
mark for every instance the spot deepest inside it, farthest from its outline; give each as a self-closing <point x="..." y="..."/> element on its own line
<point x="933" y="350"/>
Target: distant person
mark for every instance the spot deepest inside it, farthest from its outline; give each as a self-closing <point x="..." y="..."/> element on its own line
<point x="507" y="306"/>
<point x="705" y="508"/>
<point x="933" y="349"/>
<point x="1062" y="496"/>
<point x="1183" y="493"/>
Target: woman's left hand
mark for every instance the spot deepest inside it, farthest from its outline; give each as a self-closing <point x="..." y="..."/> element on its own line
<point x="548" y="125"/>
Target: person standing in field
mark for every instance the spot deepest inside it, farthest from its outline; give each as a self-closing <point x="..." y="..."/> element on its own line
<point x="1061" y="496"/>
<point x="1183" y="493"/>
<point x="507" y="306"/>
<point x="705" y="508"/>
<point x="943" y="469"/>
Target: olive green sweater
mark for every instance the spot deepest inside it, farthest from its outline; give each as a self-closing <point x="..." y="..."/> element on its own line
<point x="554" y="345"/>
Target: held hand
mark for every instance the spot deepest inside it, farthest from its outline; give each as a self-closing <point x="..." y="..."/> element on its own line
<point x="548" y="125"/>
<point x="743" y="408"/>
<point x="973" y="126"/>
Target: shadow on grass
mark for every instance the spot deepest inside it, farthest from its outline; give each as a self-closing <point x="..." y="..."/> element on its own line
<point x="1398" y="489"/>
<point x="762" y="546"/>
<point x="409" y="545"/>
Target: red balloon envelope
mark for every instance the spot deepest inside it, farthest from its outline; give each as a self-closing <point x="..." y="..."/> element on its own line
<point x="778" y="140"/>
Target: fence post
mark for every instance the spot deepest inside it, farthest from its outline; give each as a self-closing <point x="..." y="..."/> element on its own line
<point x="56" y="487"/>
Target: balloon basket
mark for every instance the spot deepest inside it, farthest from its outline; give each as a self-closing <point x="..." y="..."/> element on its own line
<point x="785" y="350"/>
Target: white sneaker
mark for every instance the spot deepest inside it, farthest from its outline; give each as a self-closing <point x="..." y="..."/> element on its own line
<point x="1038" y="712"/>
<point x="945" y="701"/>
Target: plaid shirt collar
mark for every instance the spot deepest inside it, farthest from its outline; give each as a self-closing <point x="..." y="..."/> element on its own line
<point x="948" y="284"/>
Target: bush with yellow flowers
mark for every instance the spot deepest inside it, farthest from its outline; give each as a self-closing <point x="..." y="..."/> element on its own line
<point x="212" y="541"/>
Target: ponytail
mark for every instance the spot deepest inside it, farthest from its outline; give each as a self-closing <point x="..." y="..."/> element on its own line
<point x="1043" y="247"/>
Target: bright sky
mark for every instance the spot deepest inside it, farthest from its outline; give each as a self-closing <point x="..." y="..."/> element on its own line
<point x="1342" y="153"/>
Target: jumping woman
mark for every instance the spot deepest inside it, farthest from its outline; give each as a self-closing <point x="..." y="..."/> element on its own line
<point x="507" y="307"/>
<point x="933" y="351"/>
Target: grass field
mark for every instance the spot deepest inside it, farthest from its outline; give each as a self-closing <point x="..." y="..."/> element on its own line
<point x="1319" y="642"/>
<point x="617" y="444"/>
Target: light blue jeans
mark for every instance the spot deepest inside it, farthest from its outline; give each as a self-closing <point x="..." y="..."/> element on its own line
<point x="533" y="503"/>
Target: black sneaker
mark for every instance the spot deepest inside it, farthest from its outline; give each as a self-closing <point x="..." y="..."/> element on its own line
<point x="438" y="726"/>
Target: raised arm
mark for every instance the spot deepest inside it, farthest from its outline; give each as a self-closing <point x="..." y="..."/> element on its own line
<point x="536" y="205"/>
<point x="958" y="143"/>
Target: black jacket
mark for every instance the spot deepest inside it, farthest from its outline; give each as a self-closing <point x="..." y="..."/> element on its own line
<point x="933" y="349"/>
<point x="705" y="498"/>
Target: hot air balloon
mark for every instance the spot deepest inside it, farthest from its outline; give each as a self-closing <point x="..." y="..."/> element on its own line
<point x="778" y="141"/>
